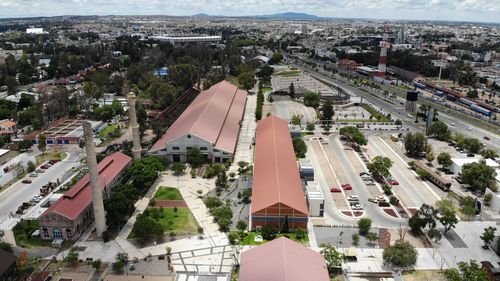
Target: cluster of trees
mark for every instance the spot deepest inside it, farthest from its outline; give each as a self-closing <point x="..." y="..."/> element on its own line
<point x="380" y="166"/>
<point x="260" y="105"/>
<point x="439" y="130"/>
<point x="353" y="134"/>
<point x="142" y="174"/>
<point x="147" y="225"/>
<point x="426" y="218"/>
<point x="466" y="272"/>
<point x="400" y="254"/>
<point x="300" y="147"/>
<point x="221" y="212"/>
<point x="311" y="99"/>
<point x="107" y="112"/>
<point x="479" y="176"/>
<point x="415" y="144"/>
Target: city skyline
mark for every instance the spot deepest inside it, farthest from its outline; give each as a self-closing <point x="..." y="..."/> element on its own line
<point x="440" y="10"/>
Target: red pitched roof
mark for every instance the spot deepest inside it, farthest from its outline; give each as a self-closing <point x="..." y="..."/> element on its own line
<point x="276" y="176"/>
<point x="79" y="196"/>
<point x="214" y="116"/>
<point x="282" y="260"/>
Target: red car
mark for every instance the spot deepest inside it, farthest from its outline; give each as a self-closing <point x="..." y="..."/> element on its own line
<point x="45" y="167"/>
<point x="26" y="181"/>
<point x="334" y="189"/>
<point x="346" y="186"/>
<point x="393" y="182"/>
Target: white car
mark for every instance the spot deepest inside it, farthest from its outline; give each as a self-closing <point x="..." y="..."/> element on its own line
<point x="33" y="175"/>
<point x="357" y="207"/>
<point x="353" y="198"/>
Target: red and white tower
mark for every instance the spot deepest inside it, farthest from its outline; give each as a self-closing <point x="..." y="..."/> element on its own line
<point x="384" y="45"/>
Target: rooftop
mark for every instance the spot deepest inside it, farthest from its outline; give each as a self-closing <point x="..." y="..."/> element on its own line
<point x="79" y="196"/>
<point x="214" y="115"/>
<point x="282" y="260"/>
<point x="276" y="176"/>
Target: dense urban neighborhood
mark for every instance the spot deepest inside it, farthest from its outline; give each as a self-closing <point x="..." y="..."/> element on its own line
<point x="262" y="148"/>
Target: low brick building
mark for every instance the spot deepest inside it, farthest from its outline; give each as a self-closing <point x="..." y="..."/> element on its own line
<point x="69" y="216"/>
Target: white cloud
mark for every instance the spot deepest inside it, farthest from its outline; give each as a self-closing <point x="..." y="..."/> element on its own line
<point x="475" y="10"/>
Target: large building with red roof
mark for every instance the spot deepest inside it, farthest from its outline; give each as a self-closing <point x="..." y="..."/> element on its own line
<point x="282" y="260"/>
<point x="211" y="123"/>
<point x="277" y="191"/>
<point x="69" y="216"/>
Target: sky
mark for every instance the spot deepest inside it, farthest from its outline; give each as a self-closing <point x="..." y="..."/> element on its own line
<point x="452" y="10"/>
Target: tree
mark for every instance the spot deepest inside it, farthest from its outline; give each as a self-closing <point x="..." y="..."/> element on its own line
<point x="402" y="253"/>
<point x="6" y="247"/>
<point x="353" y="134"/>
<point x="72" y="258"/>
<point x="24" y="145"/>
<point x="327" y="112"/>
<point x="291" y="91"/>
<point x="300" y="147"/>
<point x="468" y="206"/>
<point x="247" y="80"/>
<point x="146" y="228"/>
<point x="311" y="99"/>
<point x="448" y="220"/>
<point x="178" y="168"/>
<point x="489" y="153"/>
<point x="380" y="166"/>
<point x="310" y="127"/>
<point x="296" y="119"/>
<point x="42" y="143"/>
<point x="479" y="176"/>
<point x="439" y="130"/>
<point x="118" y="267"/>
<point x="488" y="236"/>
<point x="487" y="199"/>
<point x="393" y="200"/>
<point x="421" y="173"/>
<point x="333" y="258"/>
<point x="183" y="75"/>
<point x="213" y="202"/>
<point x="97" y="264"/>
<point x="221" y="180"/>
<point x="415" y="144"/>
<point x="472" y="145"/>
<point x="194" y="157"/>
<point x="31" y="167"/>
<point x="473" y="94"/>
<point x="415" y="224"/>
<point x="428" y="215"/>
<point x="434" y="234"/>
<point x="466" y="272"/>
<point x="276" y="58"/>
<point x="364" y="225"/>
<point x="355" y="239"/>
<point x="241" y="225"/>
<point x="285" y="228"/>
<point x="398" y="122"/>
<point x="444" y="159"/>
<point x="372" y="237"/>
<point x="300" y="234"/>
<point x="430" y="157"/>
<point x="445" y="206"/>
<point x="268" y="232"/>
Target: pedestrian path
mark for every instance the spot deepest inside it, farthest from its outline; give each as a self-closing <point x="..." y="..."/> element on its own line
<point x="244" y="148"/>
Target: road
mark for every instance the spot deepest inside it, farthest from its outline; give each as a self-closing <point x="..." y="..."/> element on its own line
<point x="13" y="197"/>
<point x="352" y="176"/>
<point x="397" y="111"/>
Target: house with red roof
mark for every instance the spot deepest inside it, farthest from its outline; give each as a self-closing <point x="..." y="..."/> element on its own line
<point x="210" y="123"/>
<point x="69" y="216"/>
<point x="282" y="260"/>
<point x="277" y="192"/>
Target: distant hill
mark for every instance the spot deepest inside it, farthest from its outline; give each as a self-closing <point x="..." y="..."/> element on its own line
<point x="289" y="16"/>
<point x="201" y="15"/>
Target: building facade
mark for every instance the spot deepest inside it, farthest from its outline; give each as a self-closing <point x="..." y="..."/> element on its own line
<point x="70" y="216"/>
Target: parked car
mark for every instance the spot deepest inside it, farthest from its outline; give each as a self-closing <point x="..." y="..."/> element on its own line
<point x="373" y="200"/>
<point x="357" y="207"/>
<point x="383" y="204"/>
<point x="53" y="161"/>
<point x="353" y="198"/>
<point x="40" y="171"/>
<point x="364" y="173"/>
<point x="346" y="186"/>
<point x="335" y="190"/>
<point x="393" y="182"/>
<point x="27" y="181"/>
<point x="470" y="155"/>
<point x="33" y="175"/>
<point x="45" y="167"/>
<point x="486" y="138"/>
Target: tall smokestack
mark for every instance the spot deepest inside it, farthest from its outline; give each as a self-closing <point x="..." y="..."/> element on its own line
<point x="97" y="203"/>
<point x="136" y="139"/>
<point x="384" y="45"/>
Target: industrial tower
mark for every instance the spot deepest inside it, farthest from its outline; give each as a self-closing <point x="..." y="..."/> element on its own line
<point x="95" y="183"/>
<point x="384" y="45"/>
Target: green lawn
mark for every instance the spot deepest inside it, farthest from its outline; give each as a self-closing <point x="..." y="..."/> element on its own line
<point x="167" y="193"/>
<point x="22" y="234"/>
<point x="250" y="239"/>
<point x="288" y="73"/>
<point x="377" y="115"/>
<point x="108" y="130"/>
<point x="49" y="155"/>
<point x="181" y="222"/>
<point x="267" y="89"/>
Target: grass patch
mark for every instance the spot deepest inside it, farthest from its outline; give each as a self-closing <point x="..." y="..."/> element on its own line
<point x="49" y="155"/>
<point x="167" y="193"/>
<point x="181" y="222"/>
<point x="306" y="133"/>
<point x="267" y="90"/>
<point x="421" y="275"/>
<point x="377" y="115"/>
<point x="22" y="234"/>
<point x="360" y="121"/>
<point x="250" y="239"/>
<point x="107" y="131"/>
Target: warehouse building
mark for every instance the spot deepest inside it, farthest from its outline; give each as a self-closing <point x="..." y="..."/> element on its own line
<point x="277" y="192"/>
<point x="211" y="123"/>
<point x="282" y="260"/>
<point x="69" y="216"/>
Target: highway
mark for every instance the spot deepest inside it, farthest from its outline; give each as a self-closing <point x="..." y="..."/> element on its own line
<point x="397" y="111"/>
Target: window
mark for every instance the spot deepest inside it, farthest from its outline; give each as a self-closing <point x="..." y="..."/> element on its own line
<point x="68" y="233"/>
<point x="57" y="233"/>
<point x="45" y="232"/>
<point x="216" y="150"/>
<point x="203" y="148"/>
<point x="189" y="148"/>
<point x="175" y="148"/>
<point x="188" y="136"/>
